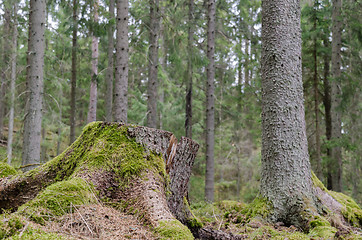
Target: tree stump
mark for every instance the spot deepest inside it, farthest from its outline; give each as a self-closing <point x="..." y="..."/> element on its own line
<point x="143" y="167"/>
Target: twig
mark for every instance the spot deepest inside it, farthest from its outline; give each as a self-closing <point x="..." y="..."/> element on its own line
<point x="22" y="231"/>
<point x="83" y="219"/>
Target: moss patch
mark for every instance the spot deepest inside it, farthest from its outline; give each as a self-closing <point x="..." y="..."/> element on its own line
<point x="259" y="207"/>
<point x="173" y="230"/>
<point x="6" y="170"/>
<point x="59" y="199"/>
<point x="350" y="211"/>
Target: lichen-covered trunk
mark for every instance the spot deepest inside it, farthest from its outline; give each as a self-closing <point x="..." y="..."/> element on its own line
<point x="286" y="173"/>
<point x="210" y="103"/>
<point x="153" y="64"/>
<point x="92" y="108"/>
<point x="35" y="74"/>
<point x="336" y="92"/>
<point x="121" y="79"/>
<point x="109" y="76"/>
<point x="73" y="81"/>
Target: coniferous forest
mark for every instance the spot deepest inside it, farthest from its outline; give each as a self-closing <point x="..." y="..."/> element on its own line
<point x="269" y="91"/>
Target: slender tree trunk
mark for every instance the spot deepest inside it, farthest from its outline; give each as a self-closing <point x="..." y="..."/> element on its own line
<point x="121" y="86"/>
<point x="12" y="84"/>
<point x="336" y="92"/>
<point x="327" y="107"/>
<point x="109" y="78"/>
<point x="92" y="109"/>
<point x="188" y="121"/>
<point x="4" y="74"/>
<point x="163" y="62"/>
<point x="35" y="72"/>
<point x="316" y="107"/>
<point x="210" y="103"/>
<point x="286" y="173"/>
<point x="153" y="64"/>
<point x="73" y="81"/>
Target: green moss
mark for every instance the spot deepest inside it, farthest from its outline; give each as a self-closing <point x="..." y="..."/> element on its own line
<point x="259" y="207"/>
<point x="350" y="211"/>
<point x="11" y="226"/>
<point x="59" y="199"/>
<point x="323" y="232"/>
<point x="318" y="183"/>
<point x="318" y="221"/>
<point x="229" y="206"/>
<point x="173" y="230"/>
<point x="6" y="170"/>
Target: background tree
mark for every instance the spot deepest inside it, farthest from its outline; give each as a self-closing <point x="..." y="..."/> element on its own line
<point x="210" y="104"/>
<point x="92" y="109"/>
<point x="110" y="69"/>
<point x="35" y="75"/>
<point x="154" y="24"/>
<point x="121" y="84"/>
<point x="73" y="81"/>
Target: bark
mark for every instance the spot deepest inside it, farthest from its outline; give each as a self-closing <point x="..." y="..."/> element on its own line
<point x="12" y="85"/>
<point x="73" y="80"/>
<point x="210" y="104"/>
<point x="163" y="63"/>
<point x="148" y="193"/>
<point x="336" y="122"/>
<point x="92" y="109"/>
<point x="286" y="173"/>
<point x="4" y="70"/>
<point x="109" y="78"/>
<point x="121" y="85"/>
<point x="33" y="118"/>
<point x="316" y="108"/>
<point x="189" y="72"/>
<point x="153" y="64"/>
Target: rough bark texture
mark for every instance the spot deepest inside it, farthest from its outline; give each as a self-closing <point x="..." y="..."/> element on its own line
<point x="73" y="80"/>
<point x="121" y="84"/>
<point x="12" y="84"/>
<point x="286" y="173"/>
<point x="189" y="73"/>
<point x="153" y="64"/>
<point x="147" y="193"/>
<point x="109" y="78"/>
<point x="336" y="92"/>
<point x="33" y="118"/>
<point x="92" y="109"/>
<point x="210" y="103"/>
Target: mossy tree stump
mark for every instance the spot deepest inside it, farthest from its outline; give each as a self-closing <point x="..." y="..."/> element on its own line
<point x="141" y="169"/>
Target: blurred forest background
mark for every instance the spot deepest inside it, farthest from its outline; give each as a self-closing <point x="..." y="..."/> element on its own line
<point x="237" y="82"/>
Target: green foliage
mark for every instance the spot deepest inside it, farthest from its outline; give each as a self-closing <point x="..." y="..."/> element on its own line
<point x="174" y="230"/>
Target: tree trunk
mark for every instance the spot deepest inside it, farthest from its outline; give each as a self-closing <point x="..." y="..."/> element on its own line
<point x="73" y="80"/>
<point x="12" y="84"/>
<point x="210" y="105"/>
<point x="110" y="74"/>
<point x="121" y="85"/>
<point x="336" y="93"/>
<point x="327" y="107"/>
<point x="4" y="75"/>
<point x="189" y="73"/>
<point x="286" y="173"/>
<point x="146" y="190"/>
<point x="153" y="64"/>
<point x="33" y="118"/>
<point x="92" y="109"/>
<point x="316" y="106"/>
